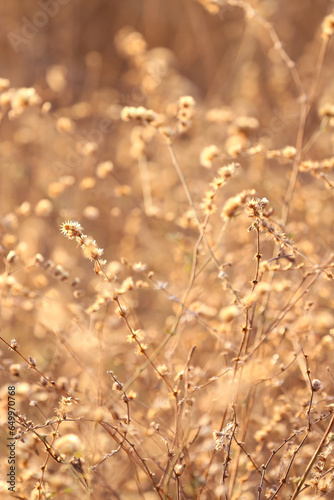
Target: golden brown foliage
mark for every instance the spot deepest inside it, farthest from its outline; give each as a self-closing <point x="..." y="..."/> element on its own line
<point x="191" y="358"/>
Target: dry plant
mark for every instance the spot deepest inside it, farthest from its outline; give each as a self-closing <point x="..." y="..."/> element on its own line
<point x="192" y="357"/>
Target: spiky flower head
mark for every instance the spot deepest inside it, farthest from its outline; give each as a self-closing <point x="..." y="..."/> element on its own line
<point x="71" y="229"/>
<point x="74" y="231"/>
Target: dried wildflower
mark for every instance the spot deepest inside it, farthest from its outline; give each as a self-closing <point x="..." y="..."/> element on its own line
<point x="208" y="154"/>
<point x="185" y="113"/>
<point x="261" y="434"/>
<point x="183" y="126"/>
<point x="163" y="370"/>
<point x="135" y="335"/>
<point x="121" y="311"/>
<point x="15" y="369"/>
<point x="11" y="257"/>
<point x="289" y="152"/>
<point x="262" y="288"/>
<point x="186" y="101"/>
<point x="254" y="150"/>
<point x="141" y="284"/>
<point x="71" y="229"/>
<point x="60" y="273"/>
<point x="179" y="469"/>
<point x="76" y="281"/>
<point x="198" y="307"/>
<point x="316" y="385"/>
<point x="234" y="204"/>
<point x="139" y="266"/>
<point x="21" y="99"/>
<point x="327" y="110"/>
<point x="274" y="153"/>
<point x="14" y="344"/>
<point x="261" y="223"/>
<point x="127" y="285"/>
<point x="161" y="285"/>
<point x="117" y="386"/>
<point x="141" y="114"/>
<point x="77" y="464"/>
<point x="318" y="478"/>
<point x="325" y="484"/>
<point x="249" y="299"/>
<point x="224" y="173"/>
<point x="257" y="206"/>
<point x="229" y="313"/>
<point x="68" y="444"/>
<point x="142" y="348"/>
<point x="216" y="183"/>
<point x="97" y="305"/>
<point x="31" y="360"/>
<point x="132" y="395"/>
<point x="246" y="124"/>
<point x="207" y="203"/>
<point x="5" y="98"/>
<point x="222" y="438"/>
<point x="236" y="143"/>
<point x="315" y="167"/>
<point x="91" y="250"/>
<point x="49" y="264"/>
<point x="328" y="25"/>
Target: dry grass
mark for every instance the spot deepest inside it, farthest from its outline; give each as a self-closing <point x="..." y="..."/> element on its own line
<point x="179" y="343"/>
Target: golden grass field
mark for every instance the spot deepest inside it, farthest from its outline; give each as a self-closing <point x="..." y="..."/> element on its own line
<point x="166" y="215"/>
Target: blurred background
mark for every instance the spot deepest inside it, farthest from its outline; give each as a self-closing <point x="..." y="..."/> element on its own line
<point x="75" y="56"/>
<point x="209" y="50"/>
<point x="215" y="52"/>
<point x="65" y="154"/>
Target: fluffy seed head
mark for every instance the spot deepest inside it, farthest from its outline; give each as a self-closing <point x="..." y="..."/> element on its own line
<point x="71" y="229"/>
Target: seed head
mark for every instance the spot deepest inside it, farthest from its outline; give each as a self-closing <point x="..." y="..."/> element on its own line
<point x="316" y="385"/>
<point x="328" y="25"/>
<point x="32" y="362"/>
<point x="91" y="250"/>
<point x="14" y="344"/>
<point x="207" y="156"/>
<point x="71" y="229"/>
